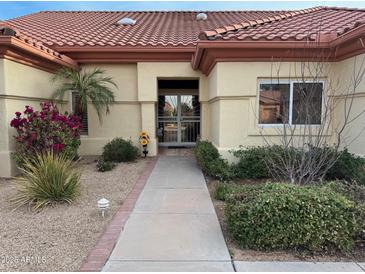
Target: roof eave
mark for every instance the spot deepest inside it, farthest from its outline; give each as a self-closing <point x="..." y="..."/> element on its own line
<point x="208" y="53"/>
<point x="128" y="54"/>
<point x="22" y="52"/>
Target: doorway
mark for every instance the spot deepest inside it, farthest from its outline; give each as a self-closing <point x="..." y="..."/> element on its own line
<point x="178" y="121"/>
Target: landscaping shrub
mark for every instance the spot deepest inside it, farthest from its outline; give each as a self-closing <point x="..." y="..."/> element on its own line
<point x="351" y="190"/>
<point x="348" y="167"/>
<point x="45" y="130"/>
<point x="257" y="162"/>
<point x="283" y="216"/>
<point x="211" y="161"/>
<point x="266" y="162"/>
<point x="120" y="150"/>
<point x="103" y="165"/>
<point x="205" y="152"/>
<point x="222" y="191"/>
<point x="47" y="178"/>
<point x="251" y="163"/>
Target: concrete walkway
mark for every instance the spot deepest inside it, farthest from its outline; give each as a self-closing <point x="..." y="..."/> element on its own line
<point x="173" y="226"/>
<point x="241" y="266"/>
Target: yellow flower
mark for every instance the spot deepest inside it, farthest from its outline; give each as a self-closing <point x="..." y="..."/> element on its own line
<point x="144" y="134"/>
<point x="144" y="142"/>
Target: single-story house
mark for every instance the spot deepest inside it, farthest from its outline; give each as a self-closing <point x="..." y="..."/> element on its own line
<point x="183" y="75"/>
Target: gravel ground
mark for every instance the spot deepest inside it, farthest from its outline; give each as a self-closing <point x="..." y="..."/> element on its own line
<point x="59" y="238"/>
<point x="240" y="254"/>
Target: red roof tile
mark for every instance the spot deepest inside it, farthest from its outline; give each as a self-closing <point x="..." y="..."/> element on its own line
<point x="316" y="24"/>
<point x="10" y="35"/>
<point x="95" y="29"/>
<point x="7" y="30"/>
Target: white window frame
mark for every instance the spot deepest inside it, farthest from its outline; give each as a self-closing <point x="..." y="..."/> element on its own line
<point x="291" y="85"/>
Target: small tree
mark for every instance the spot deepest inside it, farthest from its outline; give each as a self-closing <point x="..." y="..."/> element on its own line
<point x="312" y="135"/>
<point x="91" y="86"/>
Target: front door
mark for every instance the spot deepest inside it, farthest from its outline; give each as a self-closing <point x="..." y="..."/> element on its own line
<point x="178" y="120"/>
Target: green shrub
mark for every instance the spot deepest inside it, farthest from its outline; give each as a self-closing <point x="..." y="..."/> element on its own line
<point x="348" y="167"/>
<point x="351" y="190"/>
<point x="103" y="165"/>
<point x="120" y="150"/>
<point x="205" y="152"/>
<point x="222" y="191"/>
<point x="47" y="178"/>
<point x="283" y="216"/>
<point x="211" y="161"/>
<point x="219" y="169"/>
<point x="251" y="163"/>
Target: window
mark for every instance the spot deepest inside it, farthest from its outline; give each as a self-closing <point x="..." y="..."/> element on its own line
<point x="76" y="109"/>
<point x="291" y="102"/>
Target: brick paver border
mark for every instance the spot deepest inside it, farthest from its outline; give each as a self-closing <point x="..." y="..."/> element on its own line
<point x="98" y="256"/>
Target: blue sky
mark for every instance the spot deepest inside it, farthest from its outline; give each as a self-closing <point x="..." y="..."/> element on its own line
<point x="10" y="9"/>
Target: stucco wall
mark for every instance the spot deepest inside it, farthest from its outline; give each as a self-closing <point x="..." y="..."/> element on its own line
<point x="343" y="76"/>
<point x="228" y="96"/>
<point x="124" y="119"/>
<point x="20" y="85"/>
<point x="233" y="101"/>
<point x="148" y="75"/>
<point x="136" y="100"/>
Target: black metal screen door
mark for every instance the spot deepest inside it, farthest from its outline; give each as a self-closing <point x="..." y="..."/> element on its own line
<point x="178" y="120"/>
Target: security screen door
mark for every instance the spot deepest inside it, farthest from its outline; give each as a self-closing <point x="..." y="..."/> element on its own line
<point x="178" y="120"/>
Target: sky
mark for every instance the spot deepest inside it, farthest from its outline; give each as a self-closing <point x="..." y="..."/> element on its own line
<point x="11" y="9"/>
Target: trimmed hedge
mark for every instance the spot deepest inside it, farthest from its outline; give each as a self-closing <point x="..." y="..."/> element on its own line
<point x="348" y="167"/>
<point x="120" y="150"/>
<point x="252" y="164"/>
<point x="287" y="216"/>
<point x="211" y="161"/>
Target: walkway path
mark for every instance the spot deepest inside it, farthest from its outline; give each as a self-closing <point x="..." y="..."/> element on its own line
<point x="173" y="226"/>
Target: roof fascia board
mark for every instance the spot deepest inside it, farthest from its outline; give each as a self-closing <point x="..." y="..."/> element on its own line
<point x="125" y="49"/>
<point x="346" y="46"/>
<point x="130" y="56"/>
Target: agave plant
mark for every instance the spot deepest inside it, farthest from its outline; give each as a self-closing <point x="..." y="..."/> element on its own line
<point x="47" y="178"/>
<point x="91" y="86"/>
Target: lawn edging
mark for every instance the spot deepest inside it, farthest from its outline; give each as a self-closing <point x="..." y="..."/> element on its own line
<point x="99" y="255"/>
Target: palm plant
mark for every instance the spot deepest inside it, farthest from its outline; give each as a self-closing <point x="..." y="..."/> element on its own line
<point x="91" y="86"/>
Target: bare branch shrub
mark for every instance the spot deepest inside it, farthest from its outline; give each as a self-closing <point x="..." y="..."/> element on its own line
<point x="306" y="141"/>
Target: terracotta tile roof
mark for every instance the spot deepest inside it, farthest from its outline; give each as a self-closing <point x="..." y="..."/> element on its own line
<point x="315" y="24"/>
<point x="99" y="29"/>
<point x="8" y="32"/>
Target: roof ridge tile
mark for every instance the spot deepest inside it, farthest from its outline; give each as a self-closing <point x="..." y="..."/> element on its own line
<point x="211" y="34"/>
<point x="30" y="41"/>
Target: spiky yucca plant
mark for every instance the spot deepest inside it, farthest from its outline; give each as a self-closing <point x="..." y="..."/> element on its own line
<point x="47" y="178"/>
<point x="91" y="86"/>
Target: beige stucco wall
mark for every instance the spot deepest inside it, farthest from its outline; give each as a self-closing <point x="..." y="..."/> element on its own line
<point x="232" y="101"/>
<point x="228" y="102"/>
<point x="343" y="76"/>
<point x="20" y="85"/>
<point x="148" y="75"/>
<point x="124" y="119"/>
<point x="136" y="101"/>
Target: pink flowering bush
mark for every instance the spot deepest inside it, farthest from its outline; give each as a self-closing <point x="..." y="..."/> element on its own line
<point x="45" y="130"/>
